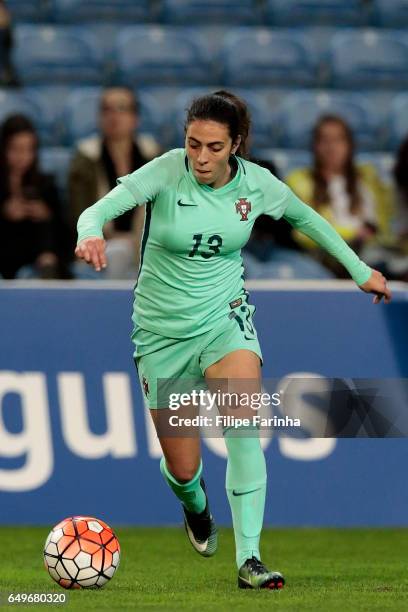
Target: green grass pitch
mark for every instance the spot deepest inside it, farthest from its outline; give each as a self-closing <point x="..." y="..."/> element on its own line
<point x="325" y="569"/>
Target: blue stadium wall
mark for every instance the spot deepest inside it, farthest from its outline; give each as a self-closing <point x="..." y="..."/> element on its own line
<point x="75" y="437"/>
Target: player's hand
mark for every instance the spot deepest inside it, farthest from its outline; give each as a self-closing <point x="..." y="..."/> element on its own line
<point x="377" y="284"/>
<point x="92" y="250"/>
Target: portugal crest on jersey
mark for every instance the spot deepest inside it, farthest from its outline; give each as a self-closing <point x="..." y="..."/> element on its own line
<point x="243" y="207"/>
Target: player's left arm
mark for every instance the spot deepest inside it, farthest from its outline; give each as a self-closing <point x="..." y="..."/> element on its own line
<point x="309" y="222"/>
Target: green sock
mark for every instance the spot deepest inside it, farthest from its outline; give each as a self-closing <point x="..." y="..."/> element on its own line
<point x="189" y="493"/>
<point x="246" y="489"/>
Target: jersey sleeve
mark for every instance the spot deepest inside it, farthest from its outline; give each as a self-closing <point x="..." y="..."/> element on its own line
<point x="147" y="182"/>
<point x="115" y="203"/>
<point x="143" y="185"/>
<point x="309" y="222"/>
<point x="276" y="196"/>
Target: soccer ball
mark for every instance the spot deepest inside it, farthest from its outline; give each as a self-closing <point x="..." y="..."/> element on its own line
<point x="81" y="551"/>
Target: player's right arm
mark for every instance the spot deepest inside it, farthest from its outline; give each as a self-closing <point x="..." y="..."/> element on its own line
<point x="282" y="202"/>
<point x="133" y="190"/>
<point x="91" y="243"/>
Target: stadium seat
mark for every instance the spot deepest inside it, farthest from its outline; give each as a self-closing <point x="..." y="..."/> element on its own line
<point x="288" y="160"/>
<point x="300" y="111"/>
<point x="158" y="56"/>
<point x="398" y="120"/>
<point x="50" y="99"/>
<point x="17" y="101"/>
<point x="259" y="57"/>
<point x="369" y="58"/>
<point x="263" y="116"/>
<point x="78" y="11"/>
<point x="284" y="264"/>
<point x="82" y="271"/>
<point x="31" y="105"/>
<point x="242" y="12"/>
<point x="315" y="12"/>
<point x="57" y="54"/>
<point x="81" y="114"/>
<point x="391" y="13"/>
<point x="55" y="161"/>
<point x="29" y="11"/>
<point x="43" y="105"/>
<point x="285" y="160"/>
<point x="152" y="116"/>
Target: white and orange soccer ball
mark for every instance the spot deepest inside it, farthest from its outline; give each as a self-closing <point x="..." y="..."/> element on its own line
<point x="81" y="551"/>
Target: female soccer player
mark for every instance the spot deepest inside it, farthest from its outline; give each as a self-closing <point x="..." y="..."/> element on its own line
<point x="191" y="315"/>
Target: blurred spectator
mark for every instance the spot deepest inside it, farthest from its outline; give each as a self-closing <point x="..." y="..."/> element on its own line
<point x="392" y="257"/>
<point x="31" y="229"/>
<point x="401" y="183"/>
<point x="97" y="163"/>
<point x="7" y="75"/>
<point x="351" y="197"/>
<point x="271" y="252"/>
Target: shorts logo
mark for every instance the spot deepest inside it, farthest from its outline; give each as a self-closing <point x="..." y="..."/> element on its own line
<point x="145" y="386"/>
<point x="243" y="207"/>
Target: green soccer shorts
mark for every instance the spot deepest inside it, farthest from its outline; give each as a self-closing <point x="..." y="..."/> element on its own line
<point x="177" y="365"/>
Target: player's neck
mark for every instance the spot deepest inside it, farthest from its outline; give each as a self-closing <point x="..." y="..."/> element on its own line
<point x="223" y="180"/>
<point x="230" y="173"/>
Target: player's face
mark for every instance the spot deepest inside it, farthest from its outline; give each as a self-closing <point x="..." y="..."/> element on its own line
<point x="209" y="146"/>
<point x="332" y="147"/>
<point x="118" y="119"/>
<point x="21" y="152"/>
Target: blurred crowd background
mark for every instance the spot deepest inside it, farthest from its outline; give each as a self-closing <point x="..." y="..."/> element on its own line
<point x="91" y="90"/>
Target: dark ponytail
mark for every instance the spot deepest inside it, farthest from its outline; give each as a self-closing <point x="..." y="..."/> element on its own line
<point x="226" y="108"/>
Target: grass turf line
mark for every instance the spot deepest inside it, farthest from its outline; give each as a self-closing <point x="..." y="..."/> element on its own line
<point x="325" y="569"/>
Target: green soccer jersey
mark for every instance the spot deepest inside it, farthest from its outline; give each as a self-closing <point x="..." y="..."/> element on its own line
<point x="191" y="265"/>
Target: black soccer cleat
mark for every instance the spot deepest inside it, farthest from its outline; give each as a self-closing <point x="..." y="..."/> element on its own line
<point x="201" y="529"/>
<point x="254" y="575"/>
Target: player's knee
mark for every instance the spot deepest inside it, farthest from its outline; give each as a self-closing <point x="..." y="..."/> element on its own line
<point x="183" y="473"/>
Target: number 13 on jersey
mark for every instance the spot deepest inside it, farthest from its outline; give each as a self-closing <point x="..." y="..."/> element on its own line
<point x="213" y="245"/>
